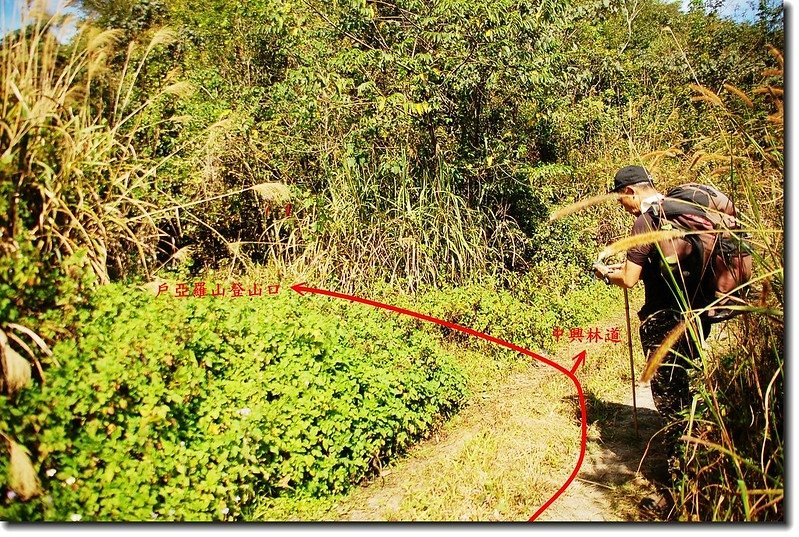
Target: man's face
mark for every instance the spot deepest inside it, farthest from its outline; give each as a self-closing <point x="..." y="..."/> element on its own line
<point x="629" y="201"/>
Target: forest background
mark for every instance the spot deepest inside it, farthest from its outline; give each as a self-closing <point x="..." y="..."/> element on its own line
<point x="406" y="149"/>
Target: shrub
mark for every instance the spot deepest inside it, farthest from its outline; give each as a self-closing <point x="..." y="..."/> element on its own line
<point x="188" y="409"/>
<point x="525" y="310"/>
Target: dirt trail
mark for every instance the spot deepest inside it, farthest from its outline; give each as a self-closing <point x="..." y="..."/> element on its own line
<point x="489" y="464"/>
<point x="610" y="485"/>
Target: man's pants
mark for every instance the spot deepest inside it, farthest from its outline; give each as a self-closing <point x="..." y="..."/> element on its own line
<point x="670" y="386"/>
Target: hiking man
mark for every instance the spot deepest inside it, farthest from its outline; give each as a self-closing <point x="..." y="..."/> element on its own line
<point x="664" y="302"/>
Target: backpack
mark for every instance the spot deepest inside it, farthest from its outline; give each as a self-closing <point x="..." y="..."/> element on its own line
<point x="712" y="264"/>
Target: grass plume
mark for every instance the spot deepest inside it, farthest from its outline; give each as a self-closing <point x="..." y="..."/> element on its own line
<point x="657" y="357"/>
<point x="68" y="160"/>
<point x="650" y="237"/>
<point x="582" y="204"/>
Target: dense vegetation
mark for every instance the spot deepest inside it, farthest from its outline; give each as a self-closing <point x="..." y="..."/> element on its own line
<point x="192" y="409"/>
<point x="386" y="146"/>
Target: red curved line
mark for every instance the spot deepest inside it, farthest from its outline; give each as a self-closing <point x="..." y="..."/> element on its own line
<point x="583" y="442"/>
<point x="583" y="425"/>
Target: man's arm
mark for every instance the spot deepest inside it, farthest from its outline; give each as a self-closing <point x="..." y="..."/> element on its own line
<point x="628" y="273"/>
<point x="624" y="274"/>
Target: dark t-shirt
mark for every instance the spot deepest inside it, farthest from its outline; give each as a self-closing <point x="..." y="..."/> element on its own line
<point x="659" y="291"/>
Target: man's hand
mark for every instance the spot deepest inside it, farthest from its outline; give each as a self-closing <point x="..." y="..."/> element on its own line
<point x="624" y="274"/>
<point x="600" y="270"/>
<point x="607" y="272"/>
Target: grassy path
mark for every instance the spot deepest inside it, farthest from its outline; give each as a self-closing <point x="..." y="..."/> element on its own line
<point x="506" y="453"/>
<point x="489" y="463"/>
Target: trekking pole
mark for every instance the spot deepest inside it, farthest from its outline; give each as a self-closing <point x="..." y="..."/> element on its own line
<point x="632" y="364"/>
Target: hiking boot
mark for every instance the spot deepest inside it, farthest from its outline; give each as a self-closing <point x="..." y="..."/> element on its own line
<point x="658" y="505"/>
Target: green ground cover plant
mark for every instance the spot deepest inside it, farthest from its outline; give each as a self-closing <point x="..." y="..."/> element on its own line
<point x="188" y="410"/>
<point x="216" y="408"/>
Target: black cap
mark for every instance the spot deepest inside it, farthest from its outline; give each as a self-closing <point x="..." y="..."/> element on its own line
<point x="630" y="175"/>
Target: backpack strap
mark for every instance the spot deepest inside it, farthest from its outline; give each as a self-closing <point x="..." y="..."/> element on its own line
<point x="670" y="213"/>
<point x="674" y="208"/>
<point x="717" y="206"/>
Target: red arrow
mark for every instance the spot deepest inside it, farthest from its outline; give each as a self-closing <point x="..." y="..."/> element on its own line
<point x="580" y="358"/>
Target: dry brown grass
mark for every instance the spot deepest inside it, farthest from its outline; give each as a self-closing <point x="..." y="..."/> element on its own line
<point x="22" y="477"/>
<point x="68" y="159"/>
<point x="734" y="456"/>
<point x="15" y="371"/>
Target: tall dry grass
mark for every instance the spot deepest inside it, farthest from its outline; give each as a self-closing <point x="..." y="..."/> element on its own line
<point x="735" y="445"/>
<point x="410" y="232"/>
<point x="733" y="458"/>
<point x="71" y="177"/>
<point x="69" y="164"/>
